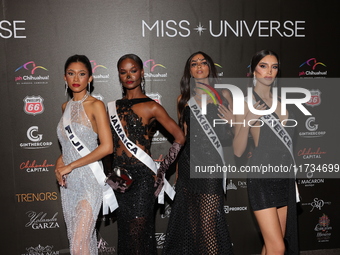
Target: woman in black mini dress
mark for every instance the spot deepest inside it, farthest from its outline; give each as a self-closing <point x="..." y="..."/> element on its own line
<point x="272" y="196"/>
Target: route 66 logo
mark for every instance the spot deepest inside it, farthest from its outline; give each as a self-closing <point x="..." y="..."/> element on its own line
<point x="33" y="105"/>
<point x="315" y="99"/>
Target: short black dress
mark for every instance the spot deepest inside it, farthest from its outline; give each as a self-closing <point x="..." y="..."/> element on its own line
<point x="135" y="214"/>
<point x="275" y="189"/>
<point x="197" y="223"/>
<point x="272" y="190"/>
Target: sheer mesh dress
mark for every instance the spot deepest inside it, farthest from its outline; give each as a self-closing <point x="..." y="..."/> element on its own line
<point x="135" y="214"/>
<point x="197" y="223"/>
<point x="82" y="198"/>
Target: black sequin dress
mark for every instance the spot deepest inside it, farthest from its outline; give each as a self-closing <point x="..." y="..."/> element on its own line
<point x="275" y="189"/>
<point x="197" y="223"/>
<point x="135" y="214"/>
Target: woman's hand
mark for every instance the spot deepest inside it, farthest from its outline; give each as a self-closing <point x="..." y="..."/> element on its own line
<point x="226" y="113"/>
<point x="61" y="173"/>
<point x="251" y="117"/>
<point x="242" y="128"/>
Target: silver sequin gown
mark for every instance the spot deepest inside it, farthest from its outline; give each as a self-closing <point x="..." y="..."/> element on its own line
<point x="81" y="200"/>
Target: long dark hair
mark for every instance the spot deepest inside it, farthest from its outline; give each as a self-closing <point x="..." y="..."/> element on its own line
<point x="140" y="64"/>
<point x="187" y="83"/>
<point x="257" y="58"/>
<point x="83" y="59"/>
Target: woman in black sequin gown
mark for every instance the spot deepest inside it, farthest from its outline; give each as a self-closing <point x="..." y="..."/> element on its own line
<point x="135" y="215"/>
<point x="197" y="223"/>
<point x="272" y="196"/>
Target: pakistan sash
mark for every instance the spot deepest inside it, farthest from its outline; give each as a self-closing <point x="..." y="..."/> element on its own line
<point x="210" y="133"/>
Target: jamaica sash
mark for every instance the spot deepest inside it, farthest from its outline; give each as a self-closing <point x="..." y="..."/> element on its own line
<point x="136" y="151"/>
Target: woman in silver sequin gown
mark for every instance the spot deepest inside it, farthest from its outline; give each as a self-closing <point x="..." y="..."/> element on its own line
<point x="81" y="194"/>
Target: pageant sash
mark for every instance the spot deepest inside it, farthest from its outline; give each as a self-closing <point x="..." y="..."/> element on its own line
<point x="109" y="198"/>
<point x="209" y="132"/>
<point x="136" y="151"/>
<point x="281" y="133"/>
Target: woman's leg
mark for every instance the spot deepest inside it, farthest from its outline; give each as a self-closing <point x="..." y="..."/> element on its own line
<point x="84" y="241"/>
<point x="209" y="205"/>
<point x="272" y="223"/>
<point x="282" y="212"/>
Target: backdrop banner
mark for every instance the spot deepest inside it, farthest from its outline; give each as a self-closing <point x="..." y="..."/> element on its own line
<point x="36" y="38"/>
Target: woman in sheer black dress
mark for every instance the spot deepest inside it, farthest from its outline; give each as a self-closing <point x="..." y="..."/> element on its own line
<point x="136" y="111"/>
<point x="197" y="223"/>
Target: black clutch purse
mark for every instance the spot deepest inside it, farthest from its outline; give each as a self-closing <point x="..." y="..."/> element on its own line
<point x="119" y="179"/>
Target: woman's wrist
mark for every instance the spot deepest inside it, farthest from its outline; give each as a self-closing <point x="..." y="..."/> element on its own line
<point x="71" y="165"/>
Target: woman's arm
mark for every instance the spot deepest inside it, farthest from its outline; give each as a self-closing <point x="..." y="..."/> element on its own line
<point x="243" y="127"/>
<point x="168" y="123"/>
<point x="97" y="110"/>
<point x="241" y="135"/>
<point x="179" y="115"/>
<point x="185" y="132"/>
<point x="59" y="163"/>
<point x="226" y="112"/>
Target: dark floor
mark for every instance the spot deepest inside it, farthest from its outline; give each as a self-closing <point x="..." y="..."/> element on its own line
<point x="314" y="252"/>
<point x="321" y="252"/>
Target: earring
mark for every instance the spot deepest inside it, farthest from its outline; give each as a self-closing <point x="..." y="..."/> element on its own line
<point x="89" y="87"/>
<point x="66" y="87"/>
<point x="193" y="91"/>
<point x="275" y="82"/>
<point x="121" y="87"/>
<point x="254" y="81"/>
<point x="143" y="84"/>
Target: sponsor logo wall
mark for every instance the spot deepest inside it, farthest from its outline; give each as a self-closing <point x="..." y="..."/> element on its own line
<point x="31" y="74"/>
<point x="35" y="45"/>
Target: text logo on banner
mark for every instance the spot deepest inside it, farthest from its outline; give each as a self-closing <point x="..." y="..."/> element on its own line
<point x="41" y="221"/>
<point x="28" y="74"/>
<point x="323" y="229"/>
<point x="312" y="129"/>
<point x="36" y="197"/>
<point x="100" y="72"/>
<point x="33" y="105"/>
<point x="41" y="250"/>
<point x="312" y="68"/>
<point x="224" y="28"/>
<point x="33" y="167"/>
<point x="317" y="204"/>
<point x="35" y="137"/>
<point x="103" y="246"/>
<point x="155" y="75"/>
<point x="315" y="99"/>
<point x="12" y="29"/>
<point x="160" y="239"/>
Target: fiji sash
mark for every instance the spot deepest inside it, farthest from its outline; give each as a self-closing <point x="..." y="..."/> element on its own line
<point x="281" y="133"/>
<point x="109" y="198"/>
<point x="209" y="131"/>
<point x="136" y="151"/>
